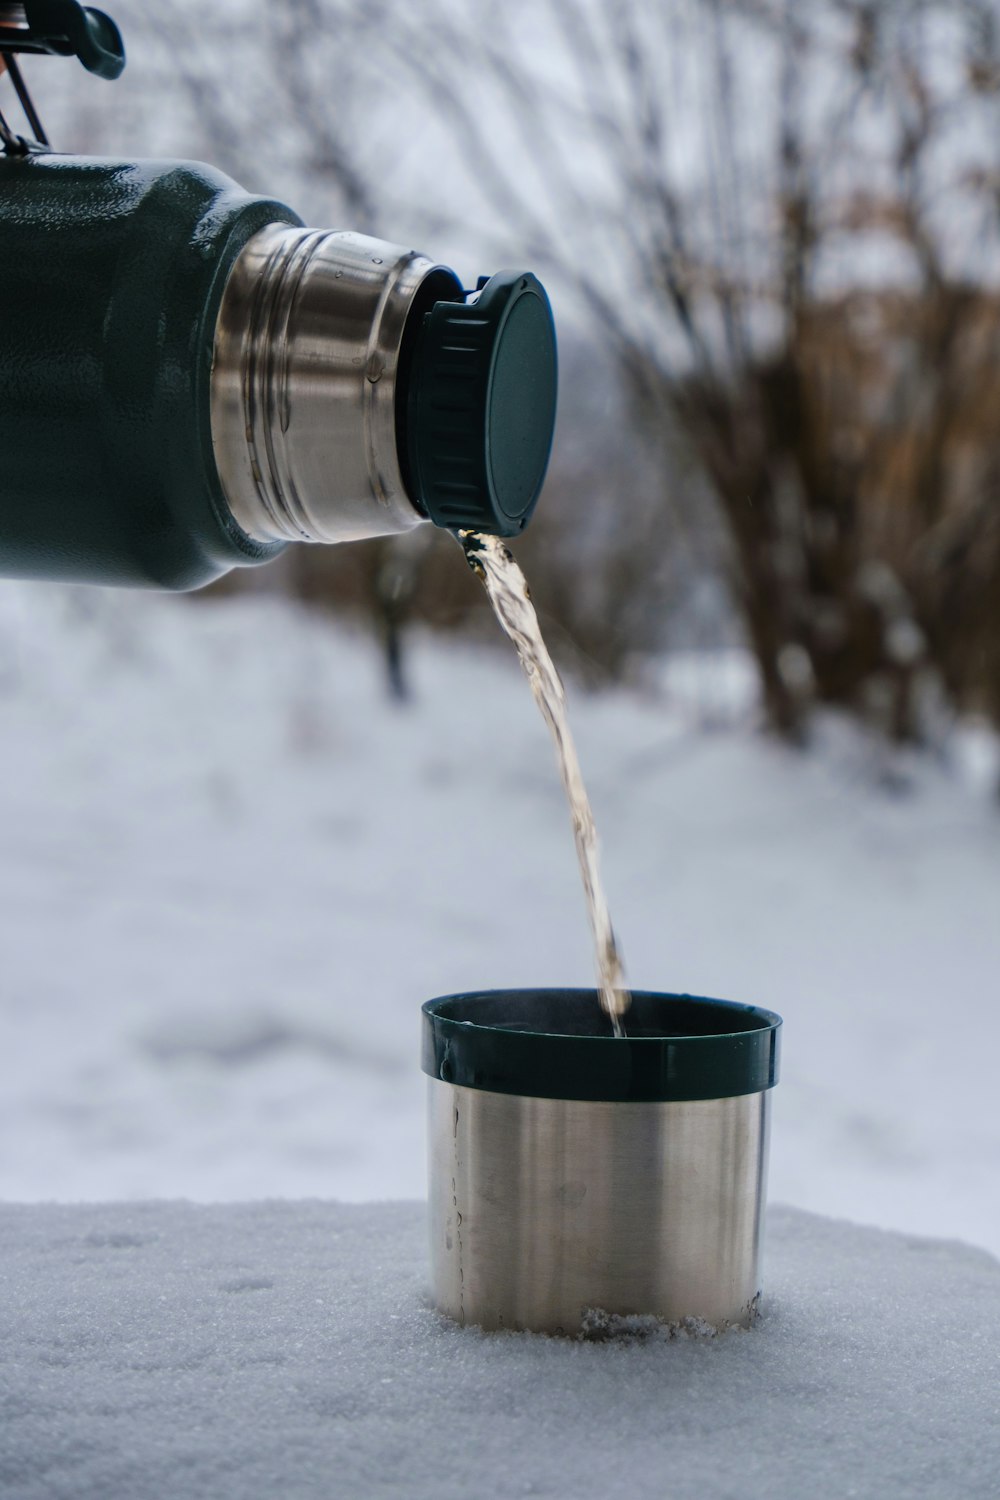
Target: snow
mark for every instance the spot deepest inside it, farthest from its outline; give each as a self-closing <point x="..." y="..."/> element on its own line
<point x="231" y="871"/>
<point x="288" y="1349"/>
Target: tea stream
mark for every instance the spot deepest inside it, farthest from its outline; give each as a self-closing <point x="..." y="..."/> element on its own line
<point x="508" y="593"/>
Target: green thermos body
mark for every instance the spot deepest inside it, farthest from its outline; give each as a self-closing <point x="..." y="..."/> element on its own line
<point x="190" y="379"/>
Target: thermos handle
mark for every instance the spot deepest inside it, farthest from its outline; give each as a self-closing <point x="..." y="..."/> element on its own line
<point x="63" y="28"/>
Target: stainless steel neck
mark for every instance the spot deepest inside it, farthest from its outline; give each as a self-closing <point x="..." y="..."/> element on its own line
<point x="545" y="1210"/>
<point x="304" y="376"/>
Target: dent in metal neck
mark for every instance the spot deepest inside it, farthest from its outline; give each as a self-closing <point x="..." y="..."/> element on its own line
<point x="307" y="360"/>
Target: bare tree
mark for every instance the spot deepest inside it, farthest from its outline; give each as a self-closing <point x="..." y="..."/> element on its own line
<point x="784" y="220"/>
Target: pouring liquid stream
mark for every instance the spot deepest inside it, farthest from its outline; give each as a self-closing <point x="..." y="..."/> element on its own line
<point x="507" y="589"/>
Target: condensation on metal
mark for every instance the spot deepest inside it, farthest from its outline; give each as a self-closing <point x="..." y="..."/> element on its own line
<point x="544" y="1209"/>
<point x="304" y="385"/>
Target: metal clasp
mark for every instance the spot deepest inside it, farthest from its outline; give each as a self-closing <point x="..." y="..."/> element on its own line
<point x="58" y="28"/>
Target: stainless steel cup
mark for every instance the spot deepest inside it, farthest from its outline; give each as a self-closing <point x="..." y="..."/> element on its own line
<point x="574" y="1173"/>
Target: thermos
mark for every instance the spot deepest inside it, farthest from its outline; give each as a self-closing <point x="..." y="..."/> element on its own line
<point x="190" y="379"/>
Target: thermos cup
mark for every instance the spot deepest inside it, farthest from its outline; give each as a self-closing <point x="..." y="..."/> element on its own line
<point x="573" y="1173"/>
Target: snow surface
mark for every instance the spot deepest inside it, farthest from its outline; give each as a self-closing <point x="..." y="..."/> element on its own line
<point x="280" y="1349"/>
<point x="230" y="871"/>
